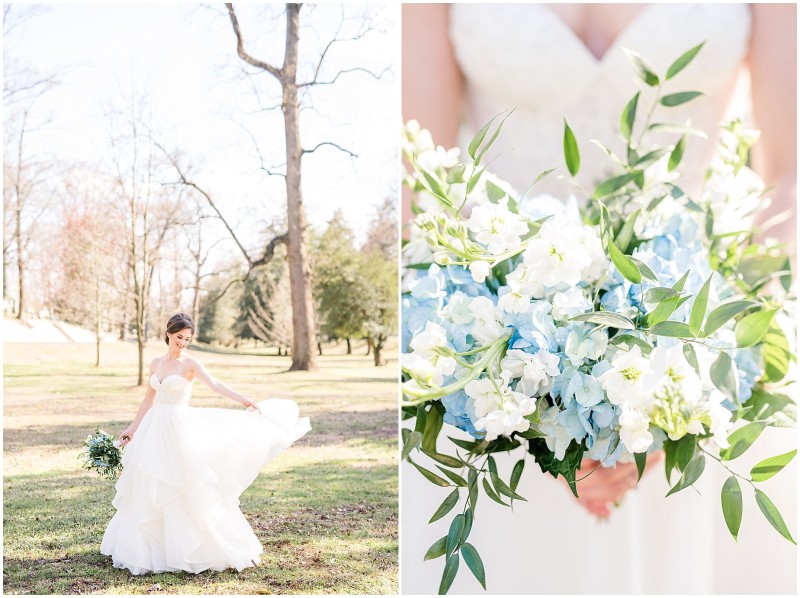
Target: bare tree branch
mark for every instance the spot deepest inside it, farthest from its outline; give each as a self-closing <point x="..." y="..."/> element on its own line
<point x="354" y="69"/>
<point x="275" y="72"/>
<point x="340" y="148"/>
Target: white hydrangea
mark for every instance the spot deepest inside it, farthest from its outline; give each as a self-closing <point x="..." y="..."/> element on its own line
<point x="496" y="227"/>
<point x="569" y="303"/>
<point x="480" y="270"/>
<point x="424" y="350"/>
<point x="488" y="325"/>
<point x="500" y="410"/>
<point x="534" y="370"/>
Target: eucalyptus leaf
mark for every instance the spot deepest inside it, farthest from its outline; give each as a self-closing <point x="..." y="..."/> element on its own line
<point x="676" y="99"/>
<point x="699" y="308"/>
<point x="454" y="534"/>
<point x="449" y="574"/>
<point x="742" y="439"/>
<point x="732" y="505"/>
<point x="491" y="493"/>
<point x="681" y="63"/>
<point x="503" y="488"/>
<point x="649" y="157"/>
<point x="516" y="473"/>
<point x="623" y="239"/>
<point x="753" y="327"/>
<point x="472" y="150"/>
<point x="446" y="506"/>
<point x="444" y="459"/>
<point x="613" y="184"/>
<point x="493" y="138"/>
<point x="436" y="189"/>
<point x="433" y="425"/>
<point x="606" y="318"/>
<point x="772" y="514"/>
<point x="691" y="474"/>
<point x="722" y="313"/>
<point x="454" y="477"/>
<point x="468" y="521"/>
<point x="643" y="68"/>
<point x="671" y="329"/>
<point x="474" y="562"/>
<point x="414" y="440"/>
<point x="626" y="342"/>
<point x="659" y="294"/>
<point x="724" y="376"/>
<point x="644" y="269"/>
<point x="473" y="180"/>
<point x="764" y="470"/>
<point x="430" y="476"/>
<point x="628" y="116"/>
<point x="676" y="155"/>
<point x="624" y="264"/>
<point x="494" y="192"/>
<point x="456" y="174"/>
<point x="437" y="549"/>
<point x="571" y="154"/>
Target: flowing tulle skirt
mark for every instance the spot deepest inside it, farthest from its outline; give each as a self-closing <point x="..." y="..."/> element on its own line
<point x="177" y="498"/>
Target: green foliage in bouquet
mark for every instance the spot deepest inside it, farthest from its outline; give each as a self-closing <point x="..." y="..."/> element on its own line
<point x="101" y="454"/>
<point x="753" y="270"/>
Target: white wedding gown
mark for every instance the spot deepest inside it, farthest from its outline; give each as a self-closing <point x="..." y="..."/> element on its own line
<point x="524" y="56"/>
<point x="177" y="498"/>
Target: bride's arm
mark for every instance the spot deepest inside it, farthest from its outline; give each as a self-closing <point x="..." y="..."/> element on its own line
<point x="773" y="79"/>
<point x="202" y="374"/>
<point x="144" y="407"/>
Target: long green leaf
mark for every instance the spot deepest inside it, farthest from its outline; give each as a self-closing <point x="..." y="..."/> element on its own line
<point x="772" y="514"/>
<point x="764" y="470"/>
<point x="606" y="318"/>
<point x="644" y="269"/>
<point x="742" y="439"/>
<point x="571" y="154"/>
<point x="732" y="505"/>
<point x="676" y="155"/>
<point x="503" y="488"/>
<point x="724" y="376"/>
<point x="623" y="239"/>
<point x="776" y="354"/>
<point x="446" y="506"/>
<point x="659" y="294"/>
<point x="449" y="574"/>
<point x="642" y="68"/>
<point x="676" y="99"/>
<point x="641" y="461"/>
<point x="681" y="63"/>
<point x="454" y="534"/>
<point x="456" y="479"/>
<point x="474" y="562"/>
<point x="491" y="493"/>
<point x="516" y="473"/>
<point x="444" y="459"/>
<point x="472" y="150"/>
<point x="437" y="549"/>
<point x="430" y="476"/>
<point x="613" y="184"/>
<point x="627" y="118"/>
<point x="624" y="264"/>
<point x="691" y="474"/>
<point x="493" y="138"/>
<point x="672" y="329"/>
<point x="753" y="327"/>
<point x="691" y="357"/>
<point x="626" y="342"/>
<point x="722" y="313"/>
<point x="414" y="440"/>
<point x="433" y="425"/>
<point x="699" y="308"/>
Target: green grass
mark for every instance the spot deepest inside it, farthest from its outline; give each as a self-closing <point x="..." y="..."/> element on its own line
<point x="325" y="510"/>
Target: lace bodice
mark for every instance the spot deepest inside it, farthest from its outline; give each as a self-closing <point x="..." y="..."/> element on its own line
<point x="174" y="389"/>
<point x="525" y="56"/>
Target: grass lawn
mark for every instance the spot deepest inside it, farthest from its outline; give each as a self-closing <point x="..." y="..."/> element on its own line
<point x="325" y="510"/>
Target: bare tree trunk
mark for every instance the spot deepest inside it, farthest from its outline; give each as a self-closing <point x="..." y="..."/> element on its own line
<point x="377" y="346"/>
<point x="319" y="347"/>
<point x="349" y="347"/>
<point x="369" y="344"/>
<point x="97" y="320"/>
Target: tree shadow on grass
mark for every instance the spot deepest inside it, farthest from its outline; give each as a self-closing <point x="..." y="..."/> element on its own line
<point x="58" y="437"/>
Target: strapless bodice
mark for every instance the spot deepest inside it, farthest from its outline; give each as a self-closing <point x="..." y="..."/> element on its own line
<point x="172" y="390"/>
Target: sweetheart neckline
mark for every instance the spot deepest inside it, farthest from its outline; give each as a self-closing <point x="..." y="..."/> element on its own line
<point x="167" y="376"/>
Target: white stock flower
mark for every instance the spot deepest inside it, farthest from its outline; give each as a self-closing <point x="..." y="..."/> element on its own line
<point x="514" y="302"/>
<point x="535" y="370"/>
<point x="624" y="382"/>
<point x="424" y="346"/>
<point x="500" y="412"/>
<point x="569" y="303"/>
<point x="488" y="320"/>
<point x="419" y="367"/>
<point x="634" y="432"/>
<point x="496" y="227"/>
<point x="458" y="309"/>
<point x="480" y="270"/>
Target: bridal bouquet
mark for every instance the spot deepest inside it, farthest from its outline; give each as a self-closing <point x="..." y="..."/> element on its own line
<point x="102" y="454"/>
<point x="629" y="319"/>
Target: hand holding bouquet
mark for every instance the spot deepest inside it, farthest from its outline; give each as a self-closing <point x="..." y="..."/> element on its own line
<point x="102" y="454"/>
<point x="628" y="319"/>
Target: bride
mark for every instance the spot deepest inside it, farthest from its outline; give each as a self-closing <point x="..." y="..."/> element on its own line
<point x="463" y="64"/>
<point x="177" y="498"/>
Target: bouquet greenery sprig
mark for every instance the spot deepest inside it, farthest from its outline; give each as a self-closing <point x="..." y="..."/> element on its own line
<point x="102" y="454"/>
<point x="633" y="318"/>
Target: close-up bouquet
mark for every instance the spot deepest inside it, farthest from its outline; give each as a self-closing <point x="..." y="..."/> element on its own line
<point x="102" y="454"/>
<point x="607" y="324"/>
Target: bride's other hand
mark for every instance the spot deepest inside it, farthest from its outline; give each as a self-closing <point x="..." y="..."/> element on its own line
<point x="125" y="437"/>
<point x="247" y="403"/>
<point x="606" y="486"/>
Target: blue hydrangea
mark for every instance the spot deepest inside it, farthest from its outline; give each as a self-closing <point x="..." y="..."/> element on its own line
<point x="460" y="411"/>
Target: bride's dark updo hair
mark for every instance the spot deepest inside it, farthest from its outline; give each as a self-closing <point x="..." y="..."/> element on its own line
<point x="177" y="323"/>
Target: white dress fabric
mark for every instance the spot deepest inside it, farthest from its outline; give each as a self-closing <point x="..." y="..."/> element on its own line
<point x="177" y="498"/>
<point x="524" y="56"/>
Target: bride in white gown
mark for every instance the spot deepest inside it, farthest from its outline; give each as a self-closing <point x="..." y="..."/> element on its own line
<point x="184" y="469"/>
<point x="463" y="64"/>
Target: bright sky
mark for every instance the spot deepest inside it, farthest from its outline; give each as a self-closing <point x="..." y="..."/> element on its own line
<point x="184" y="58"/>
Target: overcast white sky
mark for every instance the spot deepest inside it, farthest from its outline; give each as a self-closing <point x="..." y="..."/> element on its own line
<point x="184" y="57"/>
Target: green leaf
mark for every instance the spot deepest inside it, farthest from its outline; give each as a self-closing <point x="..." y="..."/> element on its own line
<point x="437" y="549"/>
<point x="623" y="239"/>
<point x="642" y="68"/>
<point x="487" y="487"/>
<point x="626" y="342"/>
<point x="624" y="264"/>
<point x="671" y="329"/>
<point x="722" y="313"/>
<point x="666" y="307"/>
<point x="628" y="116"/>
<point x="659" y="294"/>
<point x="641" y="461"/>
<point x="673" y="128"/>
<point x="676" y="99"/>
<point x="777" y="409"/>
<point x="503" y="488"/>
<point x="699" y="308"/>
<point x="691" y="357"/>
<point x="456" y="479"/>
<point x="422" y="416"/>
<point x="433" y="425"/>
<point x="454" y="534"/>
<point x="571" y="154"/>
<point x="732" y="505"/>
<point x="753" y="327"/>
<point x="456" y="174"/>
<point x="468" y="520"/>
<point x="773" y="515"/>
<point x="767" y="468"/>
<point x="474" y="489"/>
<point x="414" y="440"/>
<point x="613" y="184"/>
<point x="492" y="465"/>
<point x="742" y="439"/>
<point x="494" y="192"/>
<point x="691" y="474"/>
<point x="472" y="150"/>
<point x="469" y="445"/>
<point x="676" y="155"/>
<point x="651" y="156"/>
<point x="606" y="318"/>
<point x="531" y="433"/>
<point x="444" y="459"/>
<point x="436" y="189"/>
<point x="474" y="562"/>
<point x="448" y="504"/>
<point x="473" y="180"/>
<point x="644" y="269"/>
<point x="681" y="63"/>
<point x="724" y="376"/>
<point x="493" y="138"/>
<point x="685" y="451"/>
<point x="430" y="476"/>
<point x="565" y="467"/>
<point x="516" y="473"/>
<point x="449" y="574"/>
<point x="776" y="354"/>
